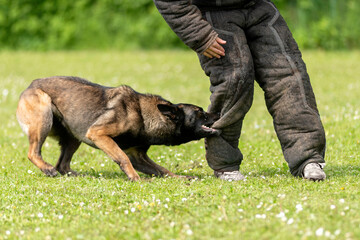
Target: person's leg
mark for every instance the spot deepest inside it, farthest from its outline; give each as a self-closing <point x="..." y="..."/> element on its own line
<point x="282" y="74"/>
<point x="232" y="83"/>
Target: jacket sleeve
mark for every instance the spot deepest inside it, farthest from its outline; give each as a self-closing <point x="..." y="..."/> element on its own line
<point x="187" y="22"/>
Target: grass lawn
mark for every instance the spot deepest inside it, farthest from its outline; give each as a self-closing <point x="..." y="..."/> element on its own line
<point x="103" y="204"/>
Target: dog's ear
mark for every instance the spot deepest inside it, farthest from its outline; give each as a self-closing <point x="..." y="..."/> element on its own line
<point x="170" y="111"/>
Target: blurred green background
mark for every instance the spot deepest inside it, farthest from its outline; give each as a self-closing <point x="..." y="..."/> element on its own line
<point x="136" y="24"/>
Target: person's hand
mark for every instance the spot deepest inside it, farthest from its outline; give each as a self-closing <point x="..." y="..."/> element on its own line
<point x="215" y="50"/>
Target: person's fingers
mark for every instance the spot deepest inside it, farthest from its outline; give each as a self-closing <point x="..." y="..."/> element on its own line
<point x="220" y="41"/>
<point x="214" y="53"/>
<point x="207" y="54"/>
<point x="219" y="49"/>
<point x="215" y="50"/>
<point x="217" y="44"/>
<point x="211" y="54"/>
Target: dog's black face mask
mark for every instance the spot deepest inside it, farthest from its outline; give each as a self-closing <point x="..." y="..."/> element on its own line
<point x="198" y="122"/>
<point x="193" y="122"/>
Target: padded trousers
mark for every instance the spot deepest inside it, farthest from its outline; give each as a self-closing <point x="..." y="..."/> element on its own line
<point x="260" y="47"/>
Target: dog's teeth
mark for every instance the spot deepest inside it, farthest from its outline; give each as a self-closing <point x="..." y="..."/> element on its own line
<point x="207" y="128"/>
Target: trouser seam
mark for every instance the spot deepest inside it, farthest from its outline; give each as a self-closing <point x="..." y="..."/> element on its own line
<point x="295" y="70"/>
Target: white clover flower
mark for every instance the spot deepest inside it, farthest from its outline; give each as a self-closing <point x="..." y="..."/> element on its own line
<point x="319" y="232"/>
<point x="260" y="216"/>
<point x="40" y="215"/>
<point x="269" y="208"/>
<point x="189" y="232"/>
<point x="281" y="196"/>
<point x="282" y="216"/>
<point x="5" y="92"/>
<point x="299" y="208"/>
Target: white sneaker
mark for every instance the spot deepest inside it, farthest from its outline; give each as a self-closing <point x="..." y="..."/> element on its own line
<point x="229" y="176"/>
<point x="314" y="171"/>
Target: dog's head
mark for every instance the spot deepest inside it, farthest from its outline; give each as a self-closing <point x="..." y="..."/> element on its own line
<point x="192" y="122"/>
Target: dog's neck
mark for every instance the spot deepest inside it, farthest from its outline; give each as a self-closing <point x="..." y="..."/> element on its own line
<point x="155" y="123"/>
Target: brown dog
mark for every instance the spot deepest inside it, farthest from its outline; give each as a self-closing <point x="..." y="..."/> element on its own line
<point x="119" y="121"/>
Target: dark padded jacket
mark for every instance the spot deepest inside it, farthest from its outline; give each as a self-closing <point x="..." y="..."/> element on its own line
<point x="185" y="19"/>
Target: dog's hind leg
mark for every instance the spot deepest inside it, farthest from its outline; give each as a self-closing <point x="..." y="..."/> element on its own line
<point x="35" y="117"/>
<point x="69" y="145"/>
<point x="143" y="163"/>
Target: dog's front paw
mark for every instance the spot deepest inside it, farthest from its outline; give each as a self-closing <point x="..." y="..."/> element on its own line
<point x="51" y="172"/>
<point x="67" y="171"/>
<point x="134" y="178"/>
